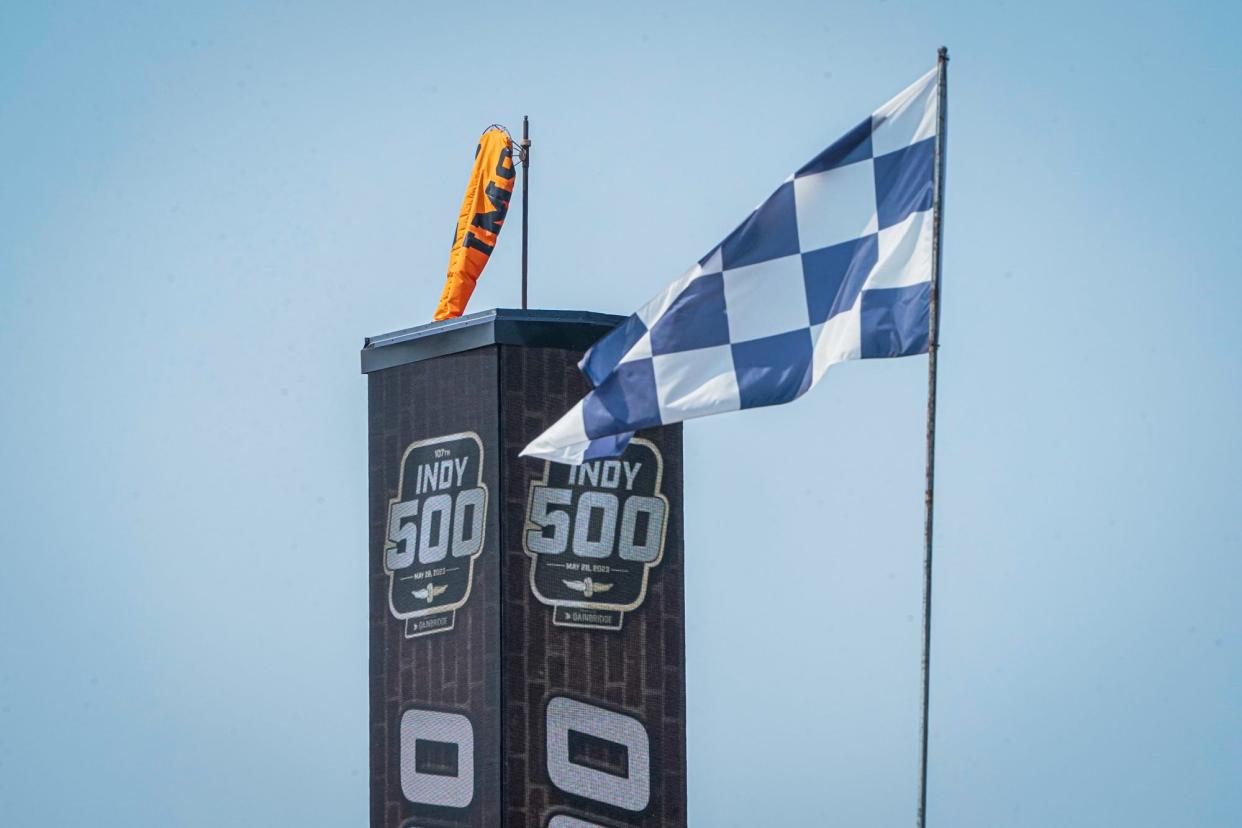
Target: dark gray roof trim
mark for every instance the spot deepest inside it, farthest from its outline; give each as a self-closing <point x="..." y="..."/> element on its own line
<point x="574" y="330"/>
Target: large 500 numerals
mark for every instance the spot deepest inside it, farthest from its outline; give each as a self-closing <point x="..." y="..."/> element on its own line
<point x="550" y="510"/>
<point x="447" y="524"/>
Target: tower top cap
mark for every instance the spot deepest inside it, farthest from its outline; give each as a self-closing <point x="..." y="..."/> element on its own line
<point x="573" y="330"/>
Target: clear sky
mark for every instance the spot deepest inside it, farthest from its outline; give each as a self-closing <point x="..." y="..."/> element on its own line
<point x="204" y="210"/>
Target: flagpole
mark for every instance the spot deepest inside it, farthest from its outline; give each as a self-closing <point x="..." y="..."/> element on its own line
<point x="525" y="156"/>
<point x="933" y="346"/>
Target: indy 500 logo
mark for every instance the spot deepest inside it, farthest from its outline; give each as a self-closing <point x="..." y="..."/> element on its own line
<point x="593" y="533"/>
<point x="435" y="531"/>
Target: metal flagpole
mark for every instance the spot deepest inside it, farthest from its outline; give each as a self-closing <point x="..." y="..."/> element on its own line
<point x="525" y="156"/>
<point x="933" y="346"/>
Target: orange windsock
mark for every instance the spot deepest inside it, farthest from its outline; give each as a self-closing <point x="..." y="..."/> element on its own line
<point x="482" y="215"/>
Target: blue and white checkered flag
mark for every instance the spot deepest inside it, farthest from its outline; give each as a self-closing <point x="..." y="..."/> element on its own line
<point x="835" y="265"/>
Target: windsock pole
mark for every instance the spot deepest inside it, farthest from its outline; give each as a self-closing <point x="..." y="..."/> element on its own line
<point x="525" y="156"/>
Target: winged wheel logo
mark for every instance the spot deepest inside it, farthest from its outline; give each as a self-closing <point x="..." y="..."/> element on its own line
<point x="430" y="592"/>
<point x="587" y="587"/>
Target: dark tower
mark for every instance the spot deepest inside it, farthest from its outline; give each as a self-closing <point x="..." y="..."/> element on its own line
<point x="527" y="636"/>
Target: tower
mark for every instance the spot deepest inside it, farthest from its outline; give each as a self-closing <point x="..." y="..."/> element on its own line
<point x="526" y="617"/>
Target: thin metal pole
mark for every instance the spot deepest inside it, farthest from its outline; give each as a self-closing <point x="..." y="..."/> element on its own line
<point x="933" y="346"/>
<point x="525" y="154"/>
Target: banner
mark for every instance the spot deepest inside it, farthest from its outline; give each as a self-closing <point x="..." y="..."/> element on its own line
<point x="482" y="215"/>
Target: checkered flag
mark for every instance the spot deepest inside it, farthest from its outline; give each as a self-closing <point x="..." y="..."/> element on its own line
<point x="837" y="264"/>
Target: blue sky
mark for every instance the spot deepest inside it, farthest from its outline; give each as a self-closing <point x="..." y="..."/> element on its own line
<point x="204" y="210"/>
